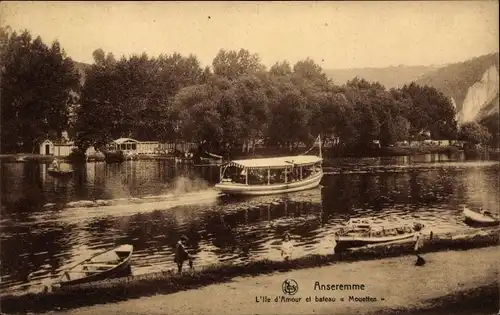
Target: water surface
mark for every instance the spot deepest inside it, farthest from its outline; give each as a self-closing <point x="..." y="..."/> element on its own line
<point x="38" y="242"/>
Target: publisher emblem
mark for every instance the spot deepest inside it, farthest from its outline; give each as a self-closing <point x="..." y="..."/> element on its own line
<point x="290" y="287"/>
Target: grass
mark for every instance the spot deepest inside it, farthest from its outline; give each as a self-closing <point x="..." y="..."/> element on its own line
<point x="131" y="287"/>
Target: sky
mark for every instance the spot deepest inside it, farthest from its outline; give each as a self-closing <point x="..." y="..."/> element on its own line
<point x="337" y="35"/>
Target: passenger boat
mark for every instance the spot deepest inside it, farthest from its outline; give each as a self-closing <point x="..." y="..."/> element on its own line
<point x="109" y="264"/>
<point x="266" y="176"/>
<point x="359" y="233"/>
<point x="476" y="218"/>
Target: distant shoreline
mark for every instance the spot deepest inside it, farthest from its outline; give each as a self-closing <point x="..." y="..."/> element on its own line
<point x="382" y="152"/>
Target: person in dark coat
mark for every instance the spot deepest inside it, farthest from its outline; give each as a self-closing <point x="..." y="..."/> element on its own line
<point x="181" y="254"/>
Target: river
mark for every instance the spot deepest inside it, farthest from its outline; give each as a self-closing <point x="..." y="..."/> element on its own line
<point x="38" y="243"/>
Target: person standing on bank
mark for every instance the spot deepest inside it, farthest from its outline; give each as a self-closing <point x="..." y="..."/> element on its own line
<point x="286" y="248"/>
<point x="418" y="239"/>
<point x="181" y="254"/>
<point x="334" y="243"/>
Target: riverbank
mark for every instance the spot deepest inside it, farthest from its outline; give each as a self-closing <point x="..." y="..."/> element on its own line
<point x="167" y="282"/>
<point x="445" y="285"/>
<point x="375" y="152"/>
<point x="39" y="158"/>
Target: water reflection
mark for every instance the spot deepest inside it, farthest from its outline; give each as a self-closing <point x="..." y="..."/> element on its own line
<point x="37" y="242"/>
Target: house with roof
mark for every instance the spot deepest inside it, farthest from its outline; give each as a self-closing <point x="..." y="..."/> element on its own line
<point x="60" y="148"/>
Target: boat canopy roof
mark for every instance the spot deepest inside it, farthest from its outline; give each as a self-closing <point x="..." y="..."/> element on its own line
<point x="276" y="162"/>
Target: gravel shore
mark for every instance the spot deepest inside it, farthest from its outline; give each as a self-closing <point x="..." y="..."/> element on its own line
<point x="448" y="282"/>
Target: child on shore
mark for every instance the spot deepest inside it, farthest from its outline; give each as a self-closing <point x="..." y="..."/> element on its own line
<point x="334" y="243"/>
<point x="286" y="248"/>
<point x="418" y="239"/>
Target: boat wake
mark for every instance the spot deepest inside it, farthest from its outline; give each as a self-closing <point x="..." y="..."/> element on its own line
<point x="86" y="209"/>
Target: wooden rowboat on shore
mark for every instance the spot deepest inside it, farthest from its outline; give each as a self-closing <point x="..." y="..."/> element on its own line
<point x="481" y="219"/>
<point x="359" y="233"/>
<point x="105" y="265"/>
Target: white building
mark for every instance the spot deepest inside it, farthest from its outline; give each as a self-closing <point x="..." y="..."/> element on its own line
<point x="55" y="148"/>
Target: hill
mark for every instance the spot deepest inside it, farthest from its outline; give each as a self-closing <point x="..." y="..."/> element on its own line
<point x="390" y="77"/>
<point x="472" y="84"/>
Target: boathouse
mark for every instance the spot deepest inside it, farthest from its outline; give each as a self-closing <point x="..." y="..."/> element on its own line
<point x="149" y="147"/>
<point x="60" y="148"/>
<point x="139" y="147"/>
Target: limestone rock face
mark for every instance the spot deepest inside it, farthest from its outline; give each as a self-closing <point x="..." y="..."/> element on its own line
<point x="481" y="94"/>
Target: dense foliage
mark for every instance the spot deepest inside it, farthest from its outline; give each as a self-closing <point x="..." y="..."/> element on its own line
<point x="491" y="123"/>
<point x="38" y="89"/>
<point x="239" y="102"/>
<point x="172" y="98"/>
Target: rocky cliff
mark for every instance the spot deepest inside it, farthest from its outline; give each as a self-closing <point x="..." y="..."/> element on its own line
<point x="472" y="85"/>
<point x="481" y="98"/>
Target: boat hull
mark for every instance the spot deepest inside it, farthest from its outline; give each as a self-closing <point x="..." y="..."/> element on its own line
<point x="59" y="173"/>
<point x="477" y="219"/>
<point x="120" y="270"/>
<point x="355" y="241"/>
<point x="261" y="190"/>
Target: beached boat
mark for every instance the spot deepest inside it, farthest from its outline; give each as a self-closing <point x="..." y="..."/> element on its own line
<point x="109" y="264"/>
<point x="475" y="218"/>
<point x="362" y="232"/>
<point x="268" y="176"/>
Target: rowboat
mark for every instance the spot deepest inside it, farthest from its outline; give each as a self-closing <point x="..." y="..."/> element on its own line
<point x="60" y="170"/>
<point x="210" y="158"/>
<point x="267" y="176"/>
<point x="56" y="172"/>
<point x="362" y="232"/>
<point x="109" y="264"/>
<point x="475" y="218"/>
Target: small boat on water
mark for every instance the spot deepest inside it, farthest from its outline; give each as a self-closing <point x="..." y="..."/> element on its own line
<point x="109" y="264"/>
<point x="484" y="218"/>
<point x="210" y="158"/>
<point x="60" y="169"/>
<point x="21" y="159"/>
<point x="266" y="176"/>
<point x="359" y="232"/>
<point x="56" y="172"/>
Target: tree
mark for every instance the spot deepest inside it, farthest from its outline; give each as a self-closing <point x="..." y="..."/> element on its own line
<point x="232" y="64"/>
<point x="491" y="123"/>
<point x="281" y="69"/>
<point x="431" y="111"/>
<point x="474" y="133"/>
<point x="254" y="104"/>
<point x="393" y="130"/>
<point x="309" y="70"/>
<point x="289" y="118"/>
<point x="38" y="86"/>
<point x="100" y="112"/>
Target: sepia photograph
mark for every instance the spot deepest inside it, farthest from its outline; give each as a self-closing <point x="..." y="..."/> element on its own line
<point x="249" y="157"/>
